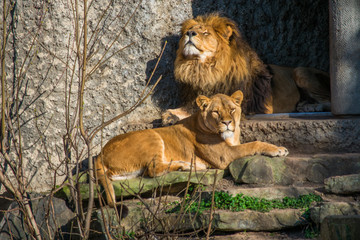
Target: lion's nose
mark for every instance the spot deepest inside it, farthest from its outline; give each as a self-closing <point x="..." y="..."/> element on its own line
<point x="191" y="33"/>
<point x="226" y="122"/>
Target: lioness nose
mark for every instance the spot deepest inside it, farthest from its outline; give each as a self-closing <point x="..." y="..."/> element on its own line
<point x="226" y="122"/>
<point x="191" y="33"/>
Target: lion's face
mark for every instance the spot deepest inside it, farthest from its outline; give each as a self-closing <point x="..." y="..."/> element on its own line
<point x="221" y="114"/>
<point x="199" y="42"/>
<point x="201" y="38"/>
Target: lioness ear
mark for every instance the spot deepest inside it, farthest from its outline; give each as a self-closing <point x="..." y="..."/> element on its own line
<point x="202" y="102"/>
<point x="238" y="96"/>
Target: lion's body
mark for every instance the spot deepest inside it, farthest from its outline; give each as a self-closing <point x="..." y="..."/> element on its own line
<point x="213" y="58"/>
<point x="208" y="138"/>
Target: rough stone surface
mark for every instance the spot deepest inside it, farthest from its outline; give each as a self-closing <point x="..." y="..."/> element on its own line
<point x="282" y="235"/>
<point x="347" y="184"/>
<point x="139" y="218"/>
<point x="344" y="55"/>
<point x="51" y="217"/>
<point x="259" y="170"/>
<point x="293" y="169"/>
<point x="285" y="33"/>
<point x="272" y="192"/>
<point x="168" y="183"/>
<point x="322" y="210"/>
<point x="306" y="135"/>
<point x="340" y="227"/>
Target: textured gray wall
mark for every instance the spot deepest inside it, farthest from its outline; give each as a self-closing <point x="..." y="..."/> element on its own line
<point x="345" y="56"/>
<point x="293" y="33"/>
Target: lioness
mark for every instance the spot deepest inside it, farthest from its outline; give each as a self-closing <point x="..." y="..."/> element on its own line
<point x="210" y="137"/>
<point x="214" y="58"/>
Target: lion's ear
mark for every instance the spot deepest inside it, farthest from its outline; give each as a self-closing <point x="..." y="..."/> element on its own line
<point x="228" y="32"/>
<point x="202" y="102"/>
<point x="238" y="96"/>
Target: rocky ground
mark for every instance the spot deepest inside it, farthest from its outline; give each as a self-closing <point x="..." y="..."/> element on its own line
<point x="334" y="176"/>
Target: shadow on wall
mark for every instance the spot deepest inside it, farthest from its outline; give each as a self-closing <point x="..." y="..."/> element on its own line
<point x="291" y="33"/>
<point x="166" y="94"/>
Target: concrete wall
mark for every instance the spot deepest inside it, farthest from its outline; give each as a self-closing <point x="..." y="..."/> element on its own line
<point x="345" y="56"/>
<point x="293" y="33"/>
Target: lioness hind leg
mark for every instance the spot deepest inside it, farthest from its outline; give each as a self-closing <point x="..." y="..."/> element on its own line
<point x="105" y="182"/>
<point x="156" y="169"/>
<point x="314" y="90"/>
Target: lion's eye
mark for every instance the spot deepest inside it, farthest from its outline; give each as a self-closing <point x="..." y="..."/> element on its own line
<point x="216" y="113"/>
<point x="232" y="111"/>
<point x="206" y="33"/>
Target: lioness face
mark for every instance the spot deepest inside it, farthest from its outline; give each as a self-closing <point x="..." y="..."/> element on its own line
<point x="199" y="42"/>
<point x="221" y="113"/>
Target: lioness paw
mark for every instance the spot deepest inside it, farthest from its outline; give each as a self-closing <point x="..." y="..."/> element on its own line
<point x="168" y="118"/>
<point x="283" y="152"/>
<point x="279" y="152"/>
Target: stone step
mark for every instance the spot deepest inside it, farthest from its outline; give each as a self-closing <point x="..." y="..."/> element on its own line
<point x="310" y="133"/>
<point x="293" y="169"/>
<point x="173" y="182"/>
<point x="279" y="235"/>
<point x="304" y="133"/>
<point x="295" y="172"/>
<point x="324" y="209"/>
<point x="273" y="192"/>
<point x="340" y="227"/>
<point x="148" y="215"/>
<point x="346" y="184"/>
<point x="140" y="219"/>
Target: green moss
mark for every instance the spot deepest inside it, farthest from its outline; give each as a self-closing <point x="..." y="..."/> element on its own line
<point x="279" y="168"/>
<point x="223" y="200"/>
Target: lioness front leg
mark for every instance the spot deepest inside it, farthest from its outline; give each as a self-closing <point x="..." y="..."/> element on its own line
<point x="257" y="147"/>
<point x="172" y="116"/>
<point x="247" y="149"/>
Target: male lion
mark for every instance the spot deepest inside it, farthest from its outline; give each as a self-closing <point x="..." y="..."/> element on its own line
<point x="208" y="138"/>
<point x="213" y="58"/>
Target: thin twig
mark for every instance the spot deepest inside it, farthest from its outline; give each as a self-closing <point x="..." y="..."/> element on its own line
<point x="212" y="207"/>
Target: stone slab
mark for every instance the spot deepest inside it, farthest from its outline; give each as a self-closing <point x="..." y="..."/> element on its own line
<point x="340" y="228"/>
<point x="139" y="218"/>
<point x="51" y="215"/>
<point x="293" y="169"/>
<point x="304" y="133"/>
<point x="170" y="182"/>
<point x="273" y="192"/>
<point x="347" y="184"/>
<point x="322" y="210"/>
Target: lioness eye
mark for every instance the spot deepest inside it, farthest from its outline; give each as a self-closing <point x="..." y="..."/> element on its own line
<point x="205" y="33"/>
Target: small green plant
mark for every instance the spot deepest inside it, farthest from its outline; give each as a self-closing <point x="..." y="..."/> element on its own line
<point x="126" y="235"/>
<point x="239" y="202"/>
<point x="311" y="232"/>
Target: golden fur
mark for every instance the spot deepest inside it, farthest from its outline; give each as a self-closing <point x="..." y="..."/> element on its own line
<point x="210" y="137"/>
<point x="213" y="58"/>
